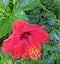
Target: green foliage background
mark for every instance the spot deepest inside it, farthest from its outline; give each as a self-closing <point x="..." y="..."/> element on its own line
<point x="42" y="12"/>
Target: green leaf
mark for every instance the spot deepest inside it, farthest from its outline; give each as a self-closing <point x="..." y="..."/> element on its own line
<point x="5" y="27"/>
<point x="15" y="1"/>
<point x="18" y="14"/>
<point x="28" y="4"/>
<point x="5" y="58"/>
<point x="50" y="59"/>
<point x="57" y="56"/>
<point x="2" y="9"/>
<point x="54" y="36"/>
<point x="29" y="61"/>
<point x="58" y="3"/>
<point x="50" y="48"/>
<point x="6" y="2"/>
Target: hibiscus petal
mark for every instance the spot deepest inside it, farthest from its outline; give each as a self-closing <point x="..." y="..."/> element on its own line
<point x="32" y="50"/>
<point x="41" y="35"/>
<point x="19" y="24"/>
<point x="31" y="27"/>
<point x="37" y="26"/>
<point x="14" y="46"/>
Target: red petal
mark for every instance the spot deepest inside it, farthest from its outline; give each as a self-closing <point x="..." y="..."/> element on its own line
<point x="33" y="49"/>
<point x="31" y="27"/>
<point x="19" y="24"/>
<point x="41" y="35"/>
<point x="37" y="26"/>
<point x="14" y="46"/>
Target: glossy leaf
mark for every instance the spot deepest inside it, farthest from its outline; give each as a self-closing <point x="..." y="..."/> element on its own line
<point x="27" y="4"/>
<point x="5" y="27"/>
<point x="18" y="14"/>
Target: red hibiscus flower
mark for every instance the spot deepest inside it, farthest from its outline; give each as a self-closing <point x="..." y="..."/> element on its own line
<point x="25" y="41"/>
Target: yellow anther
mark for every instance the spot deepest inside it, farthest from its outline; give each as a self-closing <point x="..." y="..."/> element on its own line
<point x="34" y="52"/>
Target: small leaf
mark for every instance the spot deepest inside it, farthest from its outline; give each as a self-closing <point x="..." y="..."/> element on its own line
<point x="50" y="59"/>
<point x="54" y="36"/>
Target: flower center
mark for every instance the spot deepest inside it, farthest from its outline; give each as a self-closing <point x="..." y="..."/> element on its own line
<point x="25" y="36"/>
<point x="34" y="52"/>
